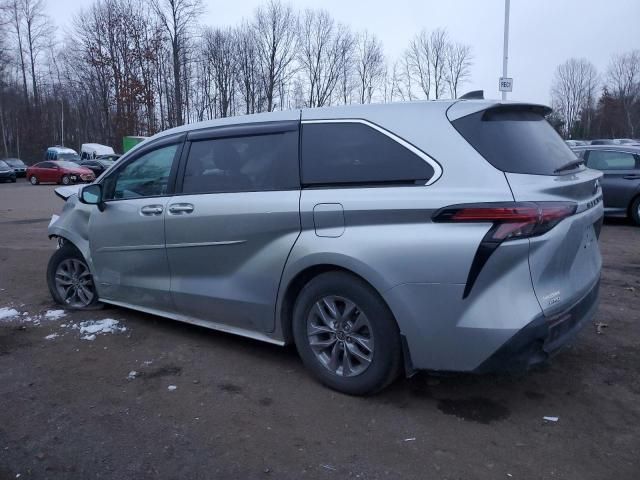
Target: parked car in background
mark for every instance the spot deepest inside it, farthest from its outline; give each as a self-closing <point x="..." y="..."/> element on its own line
<point x="61" y="153"/>
<point x="575" y="143"/>
<point x="7" y="174"/>
<point x="112" y="157"/>
<point x="18" y="166"/>
<point x="620" y="165"/>
<point x="349" y="232"/>
<point x="97" y="166"/>
<point x="90" y="151"/>
<point x="62" y="172"/>
<point x="603" y="141"/>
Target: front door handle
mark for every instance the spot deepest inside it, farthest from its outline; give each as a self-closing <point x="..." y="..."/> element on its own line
<point x="631" y="177"/>
<point x="180" y="208"/>
<point x="151" y="210"/>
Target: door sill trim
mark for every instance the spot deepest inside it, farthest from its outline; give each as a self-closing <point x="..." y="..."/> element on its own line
<point x="201" y="323"/>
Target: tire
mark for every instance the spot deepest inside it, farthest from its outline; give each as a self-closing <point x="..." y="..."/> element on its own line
<point x="33" y="180"/>
<point x="369" y="315"/>
<point x="65" y="180"/>
<point x="69" y="266"/>
<point x="635" y="211"/>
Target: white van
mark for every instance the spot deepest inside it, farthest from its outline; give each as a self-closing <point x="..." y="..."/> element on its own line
<point x="61" y="153"/>
<point x="89" y="151"/>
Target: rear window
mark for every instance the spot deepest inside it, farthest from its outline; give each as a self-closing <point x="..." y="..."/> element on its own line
<point x="345" y="153"/>
<point x="515" y="141"/>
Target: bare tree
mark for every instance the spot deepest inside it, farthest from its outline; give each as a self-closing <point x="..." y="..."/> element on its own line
<point x="370" y="66"/>
<point x="573" y="90"/>
<point x="275" y="29"/>
<point x="178" y="18"/>
<point x="323" y="47"/>
<point x="433" y="63"/>
<point x="248" y="69"/>
<point x="458" y="66"/>
<point x="15" y="17"/>
<point x="37" y="31"/>
<point x="417" y="60"/>
<point x="219" y="52"/>
<point x="439" y="47"/>
<point x="623" y="78"/>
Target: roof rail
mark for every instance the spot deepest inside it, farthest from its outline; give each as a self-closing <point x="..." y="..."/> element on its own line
<point x="474" y="95"/>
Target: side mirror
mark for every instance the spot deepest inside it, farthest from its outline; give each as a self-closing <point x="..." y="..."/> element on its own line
<point x="92" y="195"/>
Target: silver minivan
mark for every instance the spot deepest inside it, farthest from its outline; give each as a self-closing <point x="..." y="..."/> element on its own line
<point x="453" y="235"/>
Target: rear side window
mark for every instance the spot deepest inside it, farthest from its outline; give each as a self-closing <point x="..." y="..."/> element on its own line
<point x="606" y="160"/>
<point x="243" y="164"/>
<point x="355" y="153"/>
<point x="515" y="140"/>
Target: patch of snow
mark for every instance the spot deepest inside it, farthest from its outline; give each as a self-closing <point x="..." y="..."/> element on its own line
<point x="132" y="375"/>
<point x="6" y="312"/>
<point x="171" y="388"/>
<point x="107" y="325"/>
<point x="89" y="337"/>
<point x="54" y="314"/>
<point x="51" y="337"/>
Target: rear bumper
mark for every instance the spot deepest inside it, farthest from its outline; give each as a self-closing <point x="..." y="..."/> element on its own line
<point x="543" y="337"/>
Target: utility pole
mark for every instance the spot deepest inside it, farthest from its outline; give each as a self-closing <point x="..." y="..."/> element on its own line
<point x="505" y="58"/>
<point x="62" y="123"/>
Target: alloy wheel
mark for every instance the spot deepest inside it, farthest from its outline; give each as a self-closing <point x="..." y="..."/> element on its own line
<point x="74" y="283"/>
<point x="340" y="336"/>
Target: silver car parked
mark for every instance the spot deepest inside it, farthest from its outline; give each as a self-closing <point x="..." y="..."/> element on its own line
<point x="449" y="235"/>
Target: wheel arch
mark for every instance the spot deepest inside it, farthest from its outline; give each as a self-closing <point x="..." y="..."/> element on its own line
<point x="296" y="282"/>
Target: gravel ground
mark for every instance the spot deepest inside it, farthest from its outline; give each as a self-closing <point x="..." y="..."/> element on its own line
<point x="156" y="399"/>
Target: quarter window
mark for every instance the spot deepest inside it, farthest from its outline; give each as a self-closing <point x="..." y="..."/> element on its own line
<point x="243" y="164"/>
<point x="608" y="160"/>
<point x="354" y="153"/>
<point x="146" y="176"/>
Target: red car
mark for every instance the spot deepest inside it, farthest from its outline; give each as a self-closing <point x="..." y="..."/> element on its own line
<point x="62" y="172"/>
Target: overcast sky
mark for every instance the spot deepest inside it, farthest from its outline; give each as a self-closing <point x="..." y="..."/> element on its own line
<point x="544" y="33"/>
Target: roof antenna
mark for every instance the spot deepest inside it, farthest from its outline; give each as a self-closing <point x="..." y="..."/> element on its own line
<point x="475" y="95"/>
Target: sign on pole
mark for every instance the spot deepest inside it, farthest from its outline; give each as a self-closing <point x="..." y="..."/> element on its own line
<point x="505" y="84"/>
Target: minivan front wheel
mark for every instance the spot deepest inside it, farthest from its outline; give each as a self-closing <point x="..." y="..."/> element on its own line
<point x="70" y="281"/>
<point x="346" y="335"/>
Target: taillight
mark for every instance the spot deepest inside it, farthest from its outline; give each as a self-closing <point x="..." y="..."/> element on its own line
<point x="510" y="220"/>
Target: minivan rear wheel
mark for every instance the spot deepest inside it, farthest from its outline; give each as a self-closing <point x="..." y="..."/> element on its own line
<point x="346" y="335"/>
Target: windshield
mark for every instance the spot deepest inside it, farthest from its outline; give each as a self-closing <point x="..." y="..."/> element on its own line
<point x="3" y="165"/>
<point x="68" y="156"/>
<point x="67" y="164"/>
<point x="106" y="163"/>
<point x="14" y="163"/>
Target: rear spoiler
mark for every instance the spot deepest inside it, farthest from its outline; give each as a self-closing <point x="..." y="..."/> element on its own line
<point x="462" y="108"/>
<point x="65" y="192"/>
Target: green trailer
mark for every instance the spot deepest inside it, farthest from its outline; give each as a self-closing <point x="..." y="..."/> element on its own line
<point x="129" y="142"/>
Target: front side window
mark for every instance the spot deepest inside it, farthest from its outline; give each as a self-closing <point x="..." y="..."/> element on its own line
<point x="355" y="153"/>
<point x="146" y="176"/>
<point x="607" y="160"/>
<point x="242" y="164"/>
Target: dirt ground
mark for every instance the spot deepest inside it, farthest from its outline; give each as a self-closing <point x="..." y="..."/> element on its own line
<point x="247" y="410"/>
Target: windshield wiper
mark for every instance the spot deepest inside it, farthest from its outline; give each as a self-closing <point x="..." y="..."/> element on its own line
<point x="569" y="165"/>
